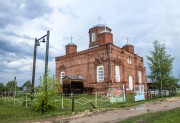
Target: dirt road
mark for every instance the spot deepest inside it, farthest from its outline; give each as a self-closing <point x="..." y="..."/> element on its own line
<point x="118" y="114"/>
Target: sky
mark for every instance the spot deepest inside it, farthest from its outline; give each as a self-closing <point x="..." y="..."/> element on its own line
<point x="21" y="21"/>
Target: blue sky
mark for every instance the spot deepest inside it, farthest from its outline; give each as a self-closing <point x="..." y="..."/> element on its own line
<point x="21" y="21"/>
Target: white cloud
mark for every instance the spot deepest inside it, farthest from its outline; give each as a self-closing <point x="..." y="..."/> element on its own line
<point x="142" y="21"/>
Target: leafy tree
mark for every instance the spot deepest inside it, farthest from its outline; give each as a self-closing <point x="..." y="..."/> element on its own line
<point x="10" y="86"/>
<point x="161" y="64"/>
<point x="44" y="100"/>
<point x="2" y="87"/>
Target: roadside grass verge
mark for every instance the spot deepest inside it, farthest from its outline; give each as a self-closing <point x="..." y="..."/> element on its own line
<point x="170" y="116"/>
<point x="18" y="113"/>
<point x="11" y="114"/>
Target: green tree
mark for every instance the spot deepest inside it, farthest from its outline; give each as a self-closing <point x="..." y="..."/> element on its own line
<point x="2" y="87"/>
<point x="10" y="86"/>
<point x="45" y="94"/>
<point x="161" y="64"/>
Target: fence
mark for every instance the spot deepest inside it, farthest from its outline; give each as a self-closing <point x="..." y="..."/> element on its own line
<point x="19" y="99"/>
<point x="158" y="94"/>
<point x="72" y="102"/>
<point x="80" y="102"/>
<point x="178" y="90"/>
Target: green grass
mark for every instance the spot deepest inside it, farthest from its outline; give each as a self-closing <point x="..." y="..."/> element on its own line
<point x="171" y="116"/>
<point x="11" y="114"/>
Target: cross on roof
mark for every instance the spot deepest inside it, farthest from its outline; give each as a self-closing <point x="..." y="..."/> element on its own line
<point x="71" y="38"/>
<point x="127" y="40"/>
<point x="105" y="25"/>
<point x="99" y="19"/>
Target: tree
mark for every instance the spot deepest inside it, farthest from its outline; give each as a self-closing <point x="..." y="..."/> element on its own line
<point x="2" y="87"/>
<point x="161" y="64"/>
<point x="10" y="86"/>
<point x="45" y="94"/>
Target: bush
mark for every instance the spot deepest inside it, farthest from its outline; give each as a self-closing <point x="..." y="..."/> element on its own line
<point x="44" y="97"/>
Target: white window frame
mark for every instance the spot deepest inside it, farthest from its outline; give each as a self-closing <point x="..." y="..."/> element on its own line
<point x="100" y="74"/>
<point x="117" y="73"/>
<point x="93" y="37"/>
<point x="139" y="77"/>
<point x="62" y="74"/>
<point x="129" y="60"/>
<point x="130" y="79"/>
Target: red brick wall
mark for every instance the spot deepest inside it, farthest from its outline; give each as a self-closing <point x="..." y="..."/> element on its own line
<point x="71" y="48"/>
<point x="105" y="38"/>
<point x="99" y="39"/>
<point x="83" y="64"/>
<point x="129" y="48"/>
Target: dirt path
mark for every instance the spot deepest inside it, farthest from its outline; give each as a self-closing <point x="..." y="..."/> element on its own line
<point x="119" y="114"/>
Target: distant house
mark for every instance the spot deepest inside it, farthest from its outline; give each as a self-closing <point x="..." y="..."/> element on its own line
<point x="26" y="89"/>
<point x="102" y="67"/>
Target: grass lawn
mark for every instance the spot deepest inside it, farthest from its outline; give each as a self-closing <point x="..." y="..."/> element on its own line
<point x="11" y="114"/>
<point x="171" y="116"/>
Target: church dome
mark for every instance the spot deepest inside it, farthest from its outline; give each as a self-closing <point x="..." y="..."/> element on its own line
<point x="99" y="25"/>
<point x="71" y="43"/>
<point x="105" y="31"/>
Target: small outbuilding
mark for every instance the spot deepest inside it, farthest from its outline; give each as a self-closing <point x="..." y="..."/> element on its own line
<point x="73" y="84"/>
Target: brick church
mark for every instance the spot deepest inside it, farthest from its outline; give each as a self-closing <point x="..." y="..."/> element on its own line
<point x="102" y="67"/>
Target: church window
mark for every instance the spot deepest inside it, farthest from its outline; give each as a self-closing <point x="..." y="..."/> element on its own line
<point x="93" y="37"/>
<point x="61" y="77"/>
<point x="129" y="60"/>
<point x="100" y="74"/>
<point x="139" y="77"/>
<point x="117" y="73"/>
<point x="130" y="83"/>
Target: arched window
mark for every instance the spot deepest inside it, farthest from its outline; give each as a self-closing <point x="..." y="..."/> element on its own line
<point x="117" y="73"/>
<point x="130" y="83"/>
<point x="139" y="77"/>
<point x="62" y="74"/>
<point x="129" y="60"/>
<point x="100" y="74"/>
<point x="93" y="36"/>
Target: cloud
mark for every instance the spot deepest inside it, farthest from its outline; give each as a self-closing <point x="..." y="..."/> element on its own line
<point x="12" y="33"/>
<point x="15" y="12"/>
<point x="22" y="21"/>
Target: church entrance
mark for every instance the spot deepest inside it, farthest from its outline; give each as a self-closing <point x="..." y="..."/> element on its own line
<point x="73" y="84"/>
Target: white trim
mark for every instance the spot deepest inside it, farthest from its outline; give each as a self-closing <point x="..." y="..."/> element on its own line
<point x="129" y="60"/>
<point x="93" y="37"/>
<point x="139" y="77"/>
<point x="117" y="73"/>
<point x="100" y="74"/>
<point x="62" y="74"/>
<point x="130" y="83"/>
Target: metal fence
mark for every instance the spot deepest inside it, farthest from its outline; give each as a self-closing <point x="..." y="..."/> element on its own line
<point x="81" y="102"/>
<point x="66" y="101"/>
<point x="150" y="94"/>
<point x="178" y="90"/>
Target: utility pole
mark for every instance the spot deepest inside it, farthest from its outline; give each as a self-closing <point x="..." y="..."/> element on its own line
<point x="37" y="43"/>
